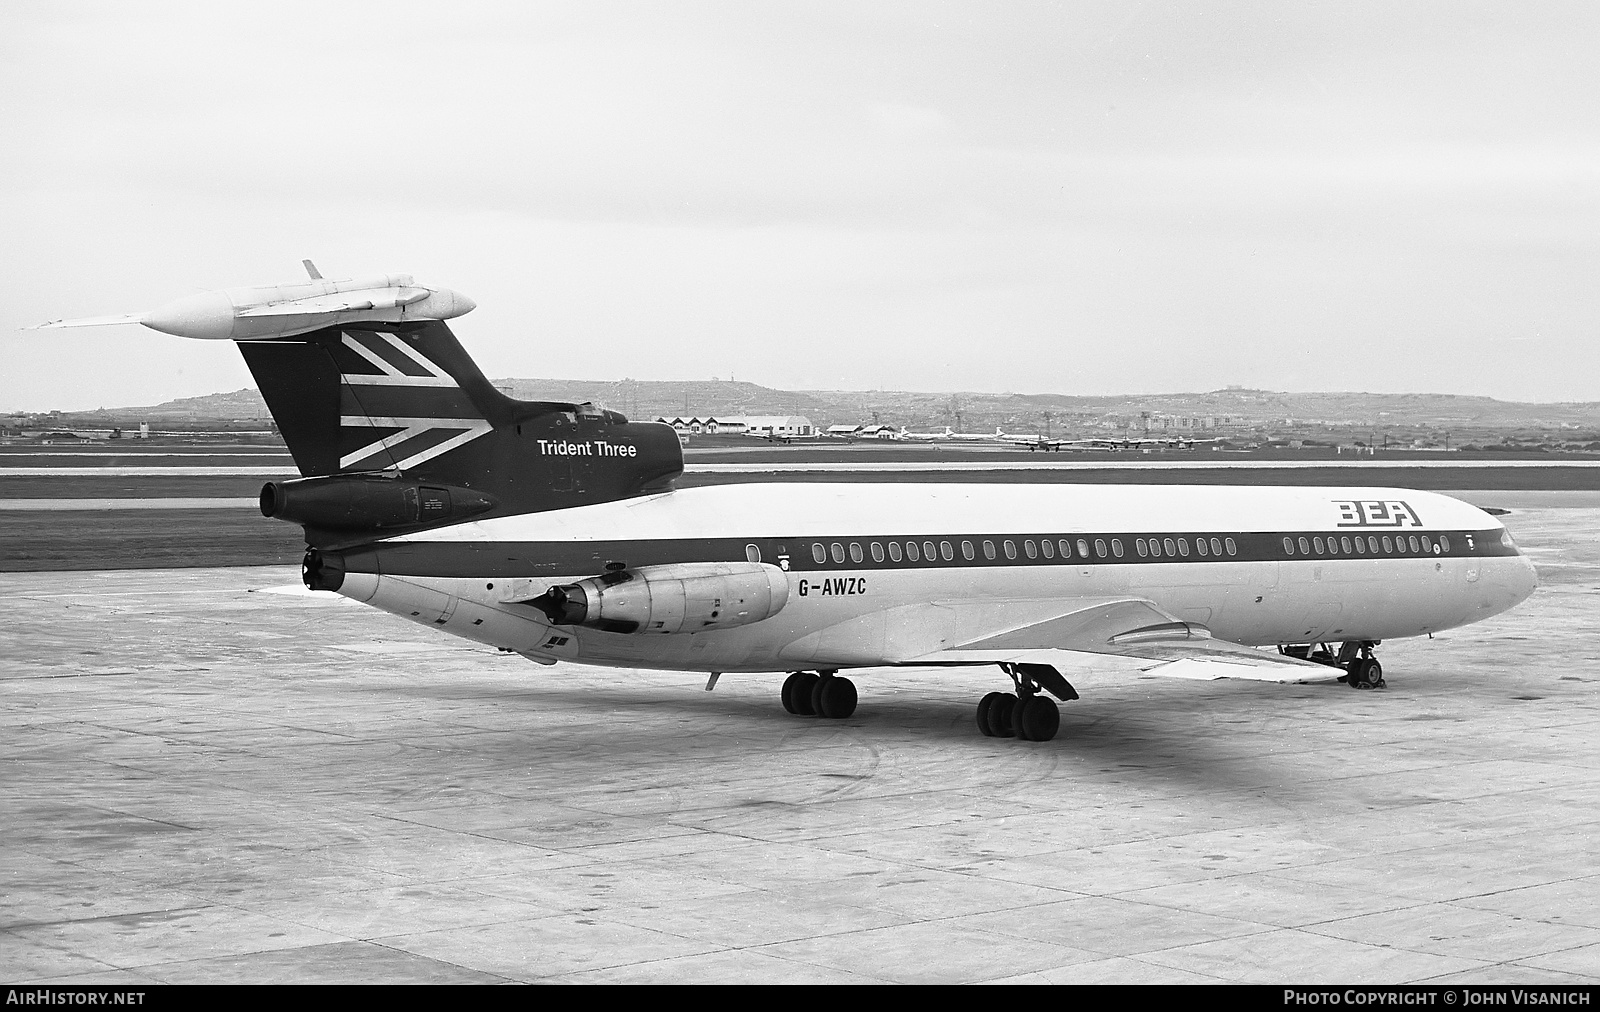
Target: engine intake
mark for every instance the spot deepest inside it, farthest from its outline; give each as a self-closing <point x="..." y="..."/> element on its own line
<point x="351" y="502"/>
<point x="688" y="597"/>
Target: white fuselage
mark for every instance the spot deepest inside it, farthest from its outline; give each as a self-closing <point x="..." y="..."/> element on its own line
<point x="1255" y="565"/>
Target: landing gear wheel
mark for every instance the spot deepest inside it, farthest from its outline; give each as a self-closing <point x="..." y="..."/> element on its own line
<point x="998" y="716"/>
<point x="984" y="706"/>
<point x="805" y="684"/>
<point x="1036" y="719"/>
<point x="1366" y="674"/>
<point x="788" y="691"/>
<point x="834" y="697"/>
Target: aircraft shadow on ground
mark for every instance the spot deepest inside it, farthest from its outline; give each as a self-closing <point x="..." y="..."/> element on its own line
<point x="1153" y="740"/>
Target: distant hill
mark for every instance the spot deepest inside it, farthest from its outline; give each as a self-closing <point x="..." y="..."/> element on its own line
<point x="965" y="411"/>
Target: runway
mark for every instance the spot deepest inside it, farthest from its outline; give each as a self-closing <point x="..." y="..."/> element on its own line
<point x="1359" y="470"/>
<point x="204" y="782"/>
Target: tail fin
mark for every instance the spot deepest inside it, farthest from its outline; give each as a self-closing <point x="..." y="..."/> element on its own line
<point x="406" y="401"/>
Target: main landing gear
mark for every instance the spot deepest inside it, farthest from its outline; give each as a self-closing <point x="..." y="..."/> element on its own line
<point x="1028" y="714"/>
<point x="1354" y="657"/>
<point x="820" y="694"/>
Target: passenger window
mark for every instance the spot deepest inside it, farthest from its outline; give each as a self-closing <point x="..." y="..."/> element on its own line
<point x="752" y="553"/>
<point x="967" y="552"/>
<point x="1216" y="547"/>
<point x="1414" y="546"/>
<point x="1444" y="542"/>
<point x="877" y="552"/>
<point x="988" y="549"/>
<point x="838" y="552"/>
<point x="928" y="551"/>
<point x="1047" y="548"/>
<point x="1233" y="549"/>
<point x="1116" y="547"/>
<point x="1066" y="548"/>
<point x="1388" y="549"/>
<point x="1183" y="547"/>
<point x="1083" y="548"/>
<point x="1288" y="547"/>
<point x="1138" y="546"/>
<point x="1200" y="545"/>
<point x="1010" y="549"/>
<point x="1030" y="549"/>
<point x="1169" y="546"/>
<point x="1344" y="545"/>
<point x="856" y="554"/>
<point x="894" y="551"/>
<point x="1372" y="544"/>
<point x="1305" y="547"/>
<point x="1099" y="548"/>
<point x="1155" y="548"/>
<point x="819" y="553"/>
<point x="911" y="551"/>
<point x="1361" y="546"/>
<point x="946" y="552"/>
<point x="1317" y="544"/>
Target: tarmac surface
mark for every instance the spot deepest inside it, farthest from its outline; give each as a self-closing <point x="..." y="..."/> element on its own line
<point x="202" y="781"/>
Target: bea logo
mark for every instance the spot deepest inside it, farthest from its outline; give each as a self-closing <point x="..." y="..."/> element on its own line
<point x="1376" y="513"/>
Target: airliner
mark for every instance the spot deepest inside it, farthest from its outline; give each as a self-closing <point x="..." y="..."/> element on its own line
<point x="1103" y="443"/>
<point x="554" y="530"/>
<point x="950" y="435"/>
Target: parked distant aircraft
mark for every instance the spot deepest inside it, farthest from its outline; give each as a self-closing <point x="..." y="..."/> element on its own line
<point x="1104" y="443"/>
<point x="951" y="436"/>
<point x="553" y="530"/>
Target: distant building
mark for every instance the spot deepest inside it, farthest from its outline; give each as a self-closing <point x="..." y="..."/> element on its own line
<point x="778" y="426"/>
<point x="703" y="426"/>
<point x="844" y="431"/>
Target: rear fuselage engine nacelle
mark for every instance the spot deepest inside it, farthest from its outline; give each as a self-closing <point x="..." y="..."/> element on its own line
<point x="688" y="598"/>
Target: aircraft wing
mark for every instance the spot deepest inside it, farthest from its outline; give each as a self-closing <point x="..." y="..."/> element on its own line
<point x="1127" y="627"/>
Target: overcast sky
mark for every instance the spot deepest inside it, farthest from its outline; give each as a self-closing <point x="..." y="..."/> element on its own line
<point x="1074" y="198"/>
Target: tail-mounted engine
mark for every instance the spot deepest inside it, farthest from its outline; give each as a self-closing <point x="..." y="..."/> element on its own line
<point x="690" y="597"/>
<point x="345" y="502"/>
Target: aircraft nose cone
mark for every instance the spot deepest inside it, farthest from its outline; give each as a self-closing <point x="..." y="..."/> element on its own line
<point x="207" y="317"/>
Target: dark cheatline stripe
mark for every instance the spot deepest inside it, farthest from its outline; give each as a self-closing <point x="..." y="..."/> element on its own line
<point x="536" y="558"/>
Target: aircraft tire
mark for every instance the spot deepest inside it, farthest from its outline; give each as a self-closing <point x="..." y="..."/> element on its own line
<point x="999" y="715"/>
<point x="1037" y="720"/>
<point x="787" y="695"/>
<point x="835" y="698"/>
<point x="1367" y="674"/>
<point x="984" y="706"/>
<point x="804" y="686"/>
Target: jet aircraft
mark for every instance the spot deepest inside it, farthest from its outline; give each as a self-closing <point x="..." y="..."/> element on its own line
<point x="553" y="530"/>
<point x="949" y="435"/>
<point x="1104" y="443"/>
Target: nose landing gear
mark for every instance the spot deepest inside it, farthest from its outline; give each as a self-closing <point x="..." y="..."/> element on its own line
<point x="1028" y="714"/>
<point x="1361" y="668"/>
<point x="1365" y="673"/>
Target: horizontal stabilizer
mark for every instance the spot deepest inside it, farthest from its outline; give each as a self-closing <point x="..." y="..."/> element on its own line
<point x="350" y="302"/>
<point x="90" y="321"/>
